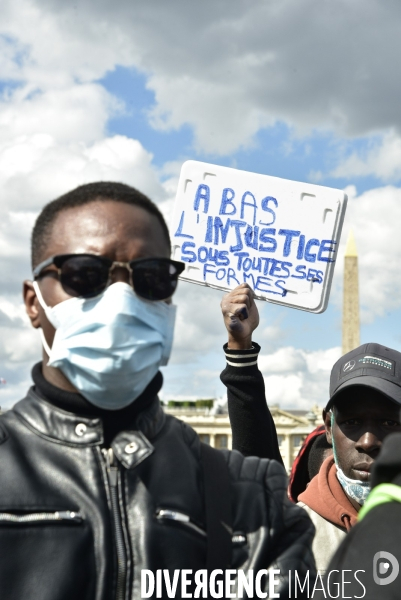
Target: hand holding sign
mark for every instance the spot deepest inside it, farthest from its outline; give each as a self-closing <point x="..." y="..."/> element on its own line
<point x="241" y="317"/>
<point x="279" y="236"/>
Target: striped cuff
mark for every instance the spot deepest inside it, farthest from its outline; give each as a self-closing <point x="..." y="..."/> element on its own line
<point x="242" y="358"/>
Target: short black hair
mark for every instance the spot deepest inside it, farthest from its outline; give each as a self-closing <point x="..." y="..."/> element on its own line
<point x="84" y="194"/>
<point x="316" y="454"/>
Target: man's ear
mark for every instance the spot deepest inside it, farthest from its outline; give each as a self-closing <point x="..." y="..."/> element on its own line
<point x="327" y="423"/>
<point x="31" y="304"/>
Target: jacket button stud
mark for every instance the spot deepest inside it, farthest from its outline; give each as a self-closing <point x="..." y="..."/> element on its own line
<point x="131" y="448"/>
<point x="80" y="429"/>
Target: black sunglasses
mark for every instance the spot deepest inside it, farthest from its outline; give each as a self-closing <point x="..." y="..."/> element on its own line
<point x="87" y="275"/>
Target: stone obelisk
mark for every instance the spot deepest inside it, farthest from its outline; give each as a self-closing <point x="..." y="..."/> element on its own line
<point x="350" y="297"/>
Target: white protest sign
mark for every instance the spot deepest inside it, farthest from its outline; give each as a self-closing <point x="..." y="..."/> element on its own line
<point x="279" y="236"/>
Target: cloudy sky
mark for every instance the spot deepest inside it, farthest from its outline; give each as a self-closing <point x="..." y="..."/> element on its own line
<point x="303" y="89"/>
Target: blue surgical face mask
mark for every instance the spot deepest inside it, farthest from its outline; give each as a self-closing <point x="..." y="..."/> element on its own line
<point x="110" y="347"/>
<point x="354" y="488"/>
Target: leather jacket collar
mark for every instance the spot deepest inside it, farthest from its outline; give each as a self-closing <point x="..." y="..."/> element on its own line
<point x="77" y="430"/>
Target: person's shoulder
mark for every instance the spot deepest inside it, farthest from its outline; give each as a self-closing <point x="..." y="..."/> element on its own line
<point x="12" y="414"/>
<point x="176" y="429"/>
<point x="259" y="487"/>
<point x="11" y="423"/>
<point x="252" y="468"/>
<point x="260" y="475"/>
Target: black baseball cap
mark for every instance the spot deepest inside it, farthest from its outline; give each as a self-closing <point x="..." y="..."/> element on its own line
<point x="371" y="365"/>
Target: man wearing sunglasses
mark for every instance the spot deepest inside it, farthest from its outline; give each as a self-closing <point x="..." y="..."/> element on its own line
<point x="97" y="484"/>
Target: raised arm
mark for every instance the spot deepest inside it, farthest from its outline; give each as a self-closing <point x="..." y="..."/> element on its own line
<point x="254" y="432"/>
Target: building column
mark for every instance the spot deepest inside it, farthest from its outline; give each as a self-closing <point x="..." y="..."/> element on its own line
<point x="287" y="446"/>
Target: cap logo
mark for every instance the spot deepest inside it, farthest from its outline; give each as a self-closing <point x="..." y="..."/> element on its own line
<point x="349" y="366"/>
<point x="362" y="365"/>
<point x="378" y="362"/>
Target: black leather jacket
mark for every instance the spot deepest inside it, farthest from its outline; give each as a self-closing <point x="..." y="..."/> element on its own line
<point x="72" y="529"/>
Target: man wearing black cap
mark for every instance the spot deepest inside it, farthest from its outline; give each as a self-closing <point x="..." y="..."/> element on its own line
<point x="364" y="407"/>
<point x="373" y="547"/>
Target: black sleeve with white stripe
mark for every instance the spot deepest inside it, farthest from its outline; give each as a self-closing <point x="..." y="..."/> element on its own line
<point x="242" y="358"/>
<point x="254" y="432"/>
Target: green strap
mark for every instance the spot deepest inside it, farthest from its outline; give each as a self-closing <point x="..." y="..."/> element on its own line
<point x="383" y="493"/>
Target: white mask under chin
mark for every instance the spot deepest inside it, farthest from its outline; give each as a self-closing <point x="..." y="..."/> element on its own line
<point x="354" y="488"/>
<point x="110" y="347"/>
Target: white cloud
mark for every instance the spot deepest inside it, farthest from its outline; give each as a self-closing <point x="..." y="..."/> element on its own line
<point x="285" y="390"/>
<point x="35" y="169"/>
<point x="52" y="47"/>
<point x="374" y="217"/>
<point x="382" y="159"/>
<point x="226" y="69"/>
<point x="298" y="378"/>
<point x="276" y="61"/>
<point x="14" y="311"/>
<point x="199" y="326"/>
<point x="20" y="346"/>
<point x="220" y="125"/>
<point x="284" y="360"/>
<point x="269" y="335"/>
<point x="75" y="112"/>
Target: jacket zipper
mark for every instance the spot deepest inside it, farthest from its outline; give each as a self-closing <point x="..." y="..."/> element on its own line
<point x="164" y="514"/>
<point x="112" y="475"/>
<point x="59" y="515"/>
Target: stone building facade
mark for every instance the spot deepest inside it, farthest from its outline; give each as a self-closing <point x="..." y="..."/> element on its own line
<point x="214" y="429"/>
